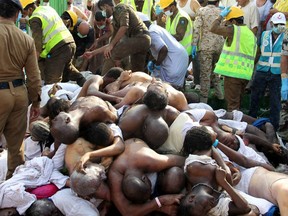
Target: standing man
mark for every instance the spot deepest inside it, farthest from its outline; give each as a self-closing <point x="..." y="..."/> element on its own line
<point x="54" y="44"/>
<point x="130" y="37"/>
<point x="236" y="62"/>
<point x="209" y="49"/>
<point x="178" y="23"/>
<point x="268" y="73"/>
<point x="18" y="51"/>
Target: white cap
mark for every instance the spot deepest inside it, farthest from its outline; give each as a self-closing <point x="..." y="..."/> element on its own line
<point x="143" y="16"/>
<point x="278" y="18"/>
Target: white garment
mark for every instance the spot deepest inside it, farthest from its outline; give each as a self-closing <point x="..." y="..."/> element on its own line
<point x="71" y="205"/>
<point x="174" y="66"/>
<point x="204" y="159"/>
<point x="197" y="114"/>
<point x="58" y="158"/>
<point x="3" y="165"/>
<point x="31" y="149"/>
<point x="222" y="207"/>
<point x="200" y="106"/>
<point x="116" y="130"/>
<point x="36" y="172"/>
<point x="251" y="15"/>
<point x="244" y="182"/>
<point x="187" y="8"/>
<point x="240" y="126"/>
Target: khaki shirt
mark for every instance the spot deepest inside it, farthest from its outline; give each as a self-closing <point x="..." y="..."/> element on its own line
<point x="18" y="51"/>
<point x="202" y="36"/>
<point x="124" y="15"/>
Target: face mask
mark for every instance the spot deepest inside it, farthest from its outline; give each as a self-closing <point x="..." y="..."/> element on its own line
<point x="81" y="36"/>
<point x="276" y="30"/>
<point x="101" y="27"/>
<point x="168" y="13"/>
<point x="104" y="13"/>
<point x="282" y="28"/>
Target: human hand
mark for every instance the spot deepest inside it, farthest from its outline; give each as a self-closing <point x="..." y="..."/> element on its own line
<point x="220" y="175"/>
<point x="107" y="52"/>
<point x="158" y="10"/>
<point x="106" y="161"/>
<point x="194" y="51"/>
<point x="225" y="12"/>
<point x="168" y="200"/>
<point x="34" y="112"/>
<point x="150" y="66"/>
<point x="277" y="148"/>
<point x="284" y="89"/>
<point x="88" y="55"/>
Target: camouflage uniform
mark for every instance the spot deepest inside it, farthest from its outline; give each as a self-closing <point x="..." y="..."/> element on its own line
<point x="135" y="43"/>
<point x="209" y="49"/>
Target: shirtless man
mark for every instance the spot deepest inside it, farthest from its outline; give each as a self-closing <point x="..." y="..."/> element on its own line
<point x="132" y="167"/>
<point x="139" y="121"/>
<point x="175" y="98"/>
<point x="98" y="142"/>
<point x="65" y="126"/>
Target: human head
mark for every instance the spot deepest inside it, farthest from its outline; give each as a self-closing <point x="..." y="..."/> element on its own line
<point x="100" y="20"/>
<point x="97" y="133"/>
<point x="90" y="183"/>
<point x="112" y="75"/>
<point x="10" y="9"/>
<point x="156" y="96"/>
<point x="155" y="131"/>
<point x="278" y="22"/>
<point x="235" y="16"/>
<point x="136" y="186"/>
<point x="9" y="212"/>
<point x="39" y="130"/>
<point x="65" y="128"/>
<point x="243" y="3"/>
<point x="55" y="105"/>
<point x="198" y="138"/>
<point x="196" y="204"/>
<point x="168" y="6"/>
<point x="107" y="6"/>
<point x="28" y="7"/>
<point x="171" y="181"/>
<point x="43" y="207"/>
<point x="69" y="18"/>
<point x="83" y="29"/>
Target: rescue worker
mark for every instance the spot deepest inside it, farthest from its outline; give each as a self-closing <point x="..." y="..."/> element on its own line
<point x="209" y="49"/>
<point x="236" y="62"/>
<point x="70" y="19"/>
<point x="178" y="23"/>
<point x="54" y="44"/>
<point x="18" y="52"/>
<point x="268" y="73"/>
<point x="130" y="37"/>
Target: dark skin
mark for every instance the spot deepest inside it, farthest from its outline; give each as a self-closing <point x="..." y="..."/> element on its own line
<point x="138" y="156"/>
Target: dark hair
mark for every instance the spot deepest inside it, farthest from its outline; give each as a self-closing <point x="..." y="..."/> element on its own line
<point x="8" y="10"/>
<point x="43" y="207"/>
<point x="155" y="99"/>
<point x="65" y="16"/>
<point x="99" y="17"/>
<point x="239" y="20"/>
<point x="97" y="133"/>
<point x="32" y="5"/>
<point x="56" y="105"/>
<point x="212" y="2"/>
<point x="101" y="3"/>
<point x="114" y="72"/>
<point x="197" y="138"/>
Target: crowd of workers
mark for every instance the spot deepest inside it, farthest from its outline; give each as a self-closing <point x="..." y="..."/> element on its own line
<point x="95" y="120"/>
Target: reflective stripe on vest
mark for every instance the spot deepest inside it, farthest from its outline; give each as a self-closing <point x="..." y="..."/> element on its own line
<point x="270" y="53"/>
<point x="53" y="28"/>
<point x="129" y="2"/>
<point x="238" y="59"/>
<point x="171" y="28"/>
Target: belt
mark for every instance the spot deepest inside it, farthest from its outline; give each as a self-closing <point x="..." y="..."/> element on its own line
<point x="15" y="83"/>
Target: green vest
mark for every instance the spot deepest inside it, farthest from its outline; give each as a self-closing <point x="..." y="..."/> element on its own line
<point x="171" y="27"/>
<point x="53" y="28"/>
<point x="238" y="60"/>
<point x="146" y="9"/>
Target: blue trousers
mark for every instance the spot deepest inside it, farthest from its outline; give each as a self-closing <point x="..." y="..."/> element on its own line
<point x="260" y="82"/>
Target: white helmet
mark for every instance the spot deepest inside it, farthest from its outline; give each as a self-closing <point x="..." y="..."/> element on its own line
<point x="278" y="18"/>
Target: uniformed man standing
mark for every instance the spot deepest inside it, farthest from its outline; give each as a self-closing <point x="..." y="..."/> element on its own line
<point x="209" y="49"/>
<point x="18" y="52"/>
<point x="178" y="23"/>
<point x="236" y="61"/>
<point x="130" y="37"/>
<point x="54" y="44"/>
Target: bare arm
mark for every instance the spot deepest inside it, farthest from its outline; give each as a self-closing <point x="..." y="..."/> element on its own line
<point x="161" y="55"/>
<point x="240" y="159"/>
<point x="217" y="28"/>
<point x="181" y="29"/>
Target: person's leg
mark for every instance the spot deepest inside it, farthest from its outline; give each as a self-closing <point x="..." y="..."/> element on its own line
<point x="15" y="126"/>
<point x="216" y="78"/>
<point x="129" y="46"/>
<point x="205" y="60"/>
<point x="274" y="85"/>
<point x="257" y="90"/>
<point x="232" y="88"/>
<point x="196" y="69"/>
